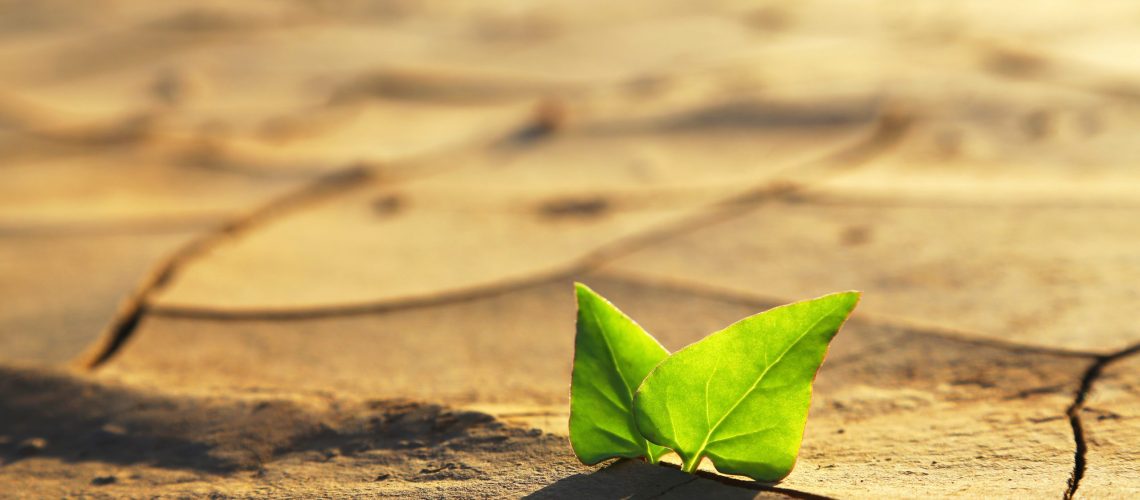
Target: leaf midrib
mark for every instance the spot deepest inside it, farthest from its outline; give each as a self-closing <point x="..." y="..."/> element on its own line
<point x="756" y="383"/>
<point x="624" y="381"/>
<point x="613" y="357"/>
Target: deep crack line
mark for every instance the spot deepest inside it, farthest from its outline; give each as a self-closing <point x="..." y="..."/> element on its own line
<point x="1074" y="413"/>
<point x="903" y="323"/>
<point x="137" y="305"/>
<point x="132" y="310"/>
<point x="675" y="486"/>
<point x="891" y="128"/>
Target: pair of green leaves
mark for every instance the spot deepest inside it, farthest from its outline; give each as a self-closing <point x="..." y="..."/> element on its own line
<point x="739" y="396"/>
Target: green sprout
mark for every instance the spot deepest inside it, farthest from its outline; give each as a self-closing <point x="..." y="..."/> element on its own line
<point x="738" y="397"/>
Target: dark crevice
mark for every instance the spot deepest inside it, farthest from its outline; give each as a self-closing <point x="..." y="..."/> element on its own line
<point x="675" y="486"/>
<point x="123" y="326"/>
<point x="131" y="312"/>
<point x="891" y="128"/>
<point x="362" y="308"/>
<point x="1074" y="413"/>
<point x="754" y="301"/>
<point x="137" y="305"/>
<point x="480" y="293"/>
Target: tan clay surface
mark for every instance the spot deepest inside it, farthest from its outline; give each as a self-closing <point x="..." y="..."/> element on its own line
<point x="326" y="249"/>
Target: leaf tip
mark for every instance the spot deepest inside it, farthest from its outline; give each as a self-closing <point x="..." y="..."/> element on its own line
<point x="852" y="296"/>
<point x="582" y="291"/>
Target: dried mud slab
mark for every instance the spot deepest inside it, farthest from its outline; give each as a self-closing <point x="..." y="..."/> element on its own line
<point x="898" y="411"/>
<point x="1111" y="421"/>
<point x="1007" y="212"/>
<point x="1033" y="274"/>
<point x="60" y="290"/>
<point x="511" y="213"/>
<point x="923" y="416"/>
<point x="79" y="235"/>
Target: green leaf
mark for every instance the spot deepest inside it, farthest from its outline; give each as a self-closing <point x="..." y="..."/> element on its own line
<point x="612" y="355"/>
<point x="741" y="395"/>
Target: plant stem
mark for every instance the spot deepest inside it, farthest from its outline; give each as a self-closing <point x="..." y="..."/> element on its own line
<point x="650" y="457"/>
<point x="690" y="465"/>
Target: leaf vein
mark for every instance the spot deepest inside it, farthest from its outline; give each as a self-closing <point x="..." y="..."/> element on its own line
<point x="606" y="395"/>
<point x="613" y="357"/>
<point x="767" y="368"/>
<point x="712" y="375"/>
<point x="618" y="437"/>
<point x="735" y="436"/>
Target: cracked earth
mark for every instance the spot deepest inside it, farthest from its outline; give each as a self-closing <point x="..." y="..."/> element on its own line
<point x="294" y="249"/>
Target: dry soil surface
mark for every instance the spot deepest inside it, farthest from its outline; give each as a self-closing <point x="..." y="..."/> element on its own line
<point x="306" y="248"/>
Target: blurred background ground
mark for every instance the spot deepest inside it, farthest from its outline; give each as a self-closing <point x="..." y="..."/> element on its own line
<point x="290" y="248"/>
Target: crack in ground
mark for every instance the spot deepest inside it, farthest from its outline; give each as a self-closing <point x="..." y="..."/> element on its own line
<point x="474" y="294"/>
<point x="675" y="486"/>
<point x="131" y="312"/>
<point x="134" y="307"/>
<point x="755" y="301"/>
<point x="458" y="296"/>
<point x="1074" y="413"/>
<point x="793" y="179"/>
<point x="891" y="128"/>
<point x="126" y="320"/>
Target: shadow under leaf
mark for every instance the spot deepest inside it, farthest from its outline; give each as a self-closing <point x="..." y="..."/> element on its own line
<point x="635" y="479"/>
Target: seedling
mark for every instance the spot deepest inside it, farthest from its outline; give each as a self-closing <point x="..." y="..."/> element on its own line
<point x="738" y="397"/>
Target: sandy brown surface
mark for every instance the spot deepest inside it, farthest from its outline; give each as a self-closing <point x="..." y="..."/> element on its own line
<point x="297" y="249"/>
<point x="1110" y="416"/>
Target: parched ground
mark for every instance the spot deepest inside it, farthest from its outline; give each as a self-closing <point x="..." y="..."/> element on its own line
<point x="307" y="248"/>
